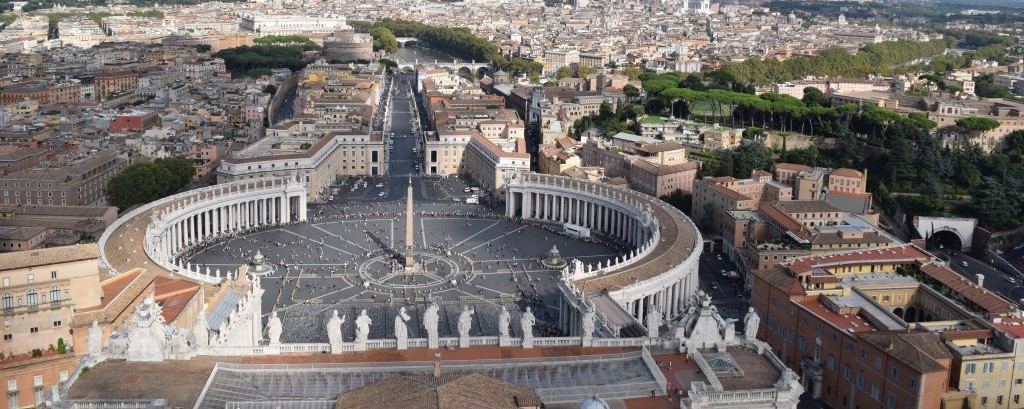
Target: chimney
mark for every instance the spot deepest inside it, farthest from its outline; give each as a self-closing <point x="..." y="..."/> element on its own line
<point x="981" y="279"/>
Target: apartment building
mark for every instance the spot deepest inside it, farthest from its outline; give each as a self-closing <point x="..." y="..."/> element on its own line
<point x="39" y="291"/>
<point x="81" y="183"/>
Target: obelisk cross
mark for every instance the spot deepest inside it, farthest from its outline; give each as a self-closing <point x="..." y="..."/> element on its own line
<point x="409" y="263"/>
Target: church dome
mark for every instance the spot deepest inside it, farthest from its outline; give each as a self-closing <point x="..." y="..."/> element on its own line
<point x="594" y="402"/>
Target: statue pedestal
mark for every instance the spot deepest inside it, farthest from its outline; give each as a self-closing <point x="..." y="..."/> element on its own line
<point x="527" y="343"/>
<point x="463" y="342"/>
<point x="587" y="342"/>
<point x="403" y="344"/>
<point x="505" y="341"/>
<point x="336" y="349"/>
<point x="359" y="346"/>
<point x="433" y="343"/>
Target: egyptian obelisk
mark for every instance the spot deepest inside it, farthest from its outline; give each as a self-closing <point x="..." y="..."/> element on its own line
<point x="409" y="263"/>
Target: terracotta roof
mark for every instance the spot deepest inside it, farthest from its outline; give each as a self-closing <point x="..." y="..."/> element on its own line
<point x="806" y="206"/>
<point x="173" y="295"/>
<point x="451" y="391"/>
<point x="787" y="222"/>
<point x="906" y="254"/>
<point x="53" y="255"/>
<point x="660" y="147"/>
<point x="845" y="172"/>
<point x="732" y="194"/>
<point x="660" y="170"/>
<point x="991" y="302"/>
<point x="920" y="350"/>
<point x="792" y="166"/>
<point x="848" y="323"/>
<point x="779" y="278"/>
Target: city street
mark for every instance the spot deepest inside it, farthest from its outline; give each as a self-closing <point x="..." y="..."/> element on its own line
<point x="726" y="293"/>
<point x="996" y="280"/>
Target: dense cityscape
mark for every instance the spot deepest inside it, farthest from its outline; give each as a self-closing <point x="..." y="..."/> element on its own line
<point x="490" y="204"/>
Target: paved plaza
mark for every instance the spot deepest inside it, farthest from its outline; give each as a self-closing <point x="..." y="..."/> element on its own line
<point x="349" y="256"/>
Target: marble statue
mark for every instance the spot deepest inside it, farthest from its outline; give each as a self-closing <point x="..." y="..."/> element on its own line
<point x="334" y="328"/>
<point x="430" y="324"/>
<point x="751" y="322"/>
<point x="588" y="324"/>
<point x="401" y="331"/>
<point x="178" y="345"/>
<point x="654" y="322"/>
<point x="363" y="327"/>
<point x="274" y="329"/>
<point x="504" y="319"/>
<point x="526" y="322"/>
<point x="465" y="321"/>
<point x="95" y="339"/>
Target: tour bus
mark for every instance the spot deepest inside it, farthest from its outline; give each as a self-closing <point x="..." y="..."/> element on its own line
<point x="576" y="230"/>
<point x="472" y="200"/>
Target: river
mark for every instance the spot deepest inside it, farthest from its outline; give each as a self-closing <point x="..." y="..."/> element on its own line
<point x="414" y="52"/>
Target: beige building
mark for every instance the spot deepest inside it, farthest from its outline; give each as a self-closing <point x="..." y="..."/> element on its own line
<point x="488" y="163"/>
<point x="304" y="149"/>
<point x="40" y="291"/>
<point x="82" y="183"/>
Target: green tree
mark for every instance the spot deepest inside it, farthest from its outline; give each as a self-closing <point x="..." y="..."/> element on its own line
<point x="631" y="71"/>
<point x="384" y="39"/>
<point x="814" y="97"/>
<point x="563" y="72"/>
<point x="388" y="63"/>
<point x="978" y="124"/>
<point x="270" y="89"/>
<point x="749" y="157"/>
<point x="679" y="200"/>
<point x="145" y="182"/>
<point x="992" y="205"/>
<point x="138" y="183"/>
<point x="631" y="92"/>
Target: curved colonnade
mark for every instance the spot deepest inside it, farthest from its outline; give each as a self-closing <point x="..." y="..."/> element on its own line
<point x="170" y="226"/>
<point x="661" y="270"/>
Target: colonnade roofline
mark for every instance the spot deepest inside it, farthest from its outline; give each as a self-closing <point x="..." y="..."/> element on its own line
<point x="151" y="235"/>
<point x="679" y="240"/>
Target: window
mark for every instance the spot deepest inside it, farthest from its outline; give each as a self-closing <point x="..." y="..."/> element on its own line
<point x="12" y="386"/>
<point x="54" y="295"/>
<point x="999" y="399"/>
<point x="970" y="385"/>
<point x="878" y="363"/>
<point x="846" y="372"/>
<point x="890" y="400"/>
<point x="33" y="330"/>
<point x="57" y="323"/>
<point x="988" y="367"/>
<point x="874" y="391"/>
<point x="8" y="337"/>
<point x="984" y="400"/>
<point x="860" y="380"/>
<point x="830" y="362"/>
<point x="863" y="354"/>
<point x="31" y="298"/>
<point x="970" y="368"/>
<point x="8" y="302"/>
<point x="63" y="376"/>
<point x="31" y="278"/>
<point x="37" y="380"/>
<point x="53" y="275"/>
